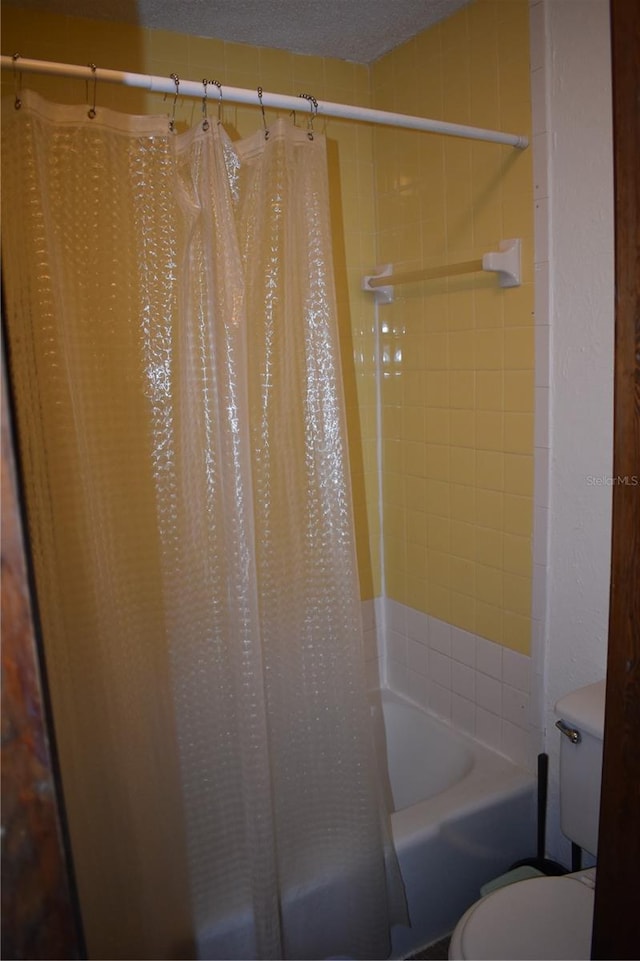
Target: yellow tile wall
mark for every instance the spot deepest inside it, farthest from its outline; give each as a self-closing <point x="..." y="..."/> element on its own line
<point x="46" y="36"/>
<point x="457" y="371"/>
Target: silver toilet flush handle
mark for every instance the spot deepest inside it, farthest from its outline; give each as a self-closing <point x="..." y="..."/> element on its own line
<point x="574" y="736"/>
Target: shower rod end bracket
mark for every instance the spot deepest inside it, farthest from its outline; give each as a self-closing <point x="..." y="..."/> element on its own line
<point x="505" y="262"/>
<point x="383" y="293"/>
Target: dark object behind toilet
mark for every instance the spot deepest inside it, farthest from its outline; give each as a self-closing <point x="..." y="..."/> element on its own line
<point x="539" y="862"/>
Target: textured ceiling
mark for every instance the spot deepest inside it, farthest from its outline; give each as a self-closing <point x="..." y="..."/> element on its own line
<point x="357" y="30"/>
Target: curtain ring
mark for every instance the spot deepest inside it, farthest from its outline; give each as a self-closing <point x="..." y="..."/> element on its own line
<point x="264" y="119"/>
<point x="92" y="109"/>
<point x="17" y="81"/>
<point x="217" y="84"/>
<point x="205" y="119"/>
<point x="172" y="121"/>
<point x="313" y="104"/>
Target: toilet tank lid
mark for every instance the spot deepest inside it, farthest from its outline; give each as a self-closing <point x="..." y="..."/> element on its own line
<point x="584" y="709"/>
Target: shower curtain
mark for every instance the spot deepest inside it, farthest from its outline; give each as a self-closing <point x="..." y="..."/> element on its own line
<point x="175" y="364"/>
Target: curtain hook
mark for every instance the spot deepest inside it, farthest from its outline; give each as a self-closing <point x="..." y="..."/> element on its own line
<point x="264" y="119"/>
<point x="313" y="105"/>
<point x="17" y="81"/>
<point x="205" y="119"/>
<point x="217" y="84"/>
<point x="92" y="109"/>
<point x="172" y="121"/>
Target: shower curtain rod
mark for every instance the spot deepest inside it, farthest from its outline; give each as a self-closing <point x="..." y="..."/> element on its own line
<point x="194" y="88"/>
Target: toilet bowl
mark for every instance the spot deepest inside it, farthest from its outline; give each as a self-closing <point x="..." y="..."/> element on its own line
<point x="540" y="918"/>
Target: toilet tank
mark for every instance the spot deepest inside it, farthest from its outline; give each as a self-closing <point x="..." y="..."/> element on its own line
<point x="582" y="723"/>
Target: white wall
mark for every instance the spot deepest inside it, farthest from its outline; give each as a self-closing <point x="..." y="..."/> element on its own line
<point x="576" y="220"/>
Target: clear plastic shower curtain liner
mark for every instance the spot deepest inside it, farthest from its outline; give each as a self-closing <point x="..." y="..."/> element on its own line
<point x="175" y="363"/>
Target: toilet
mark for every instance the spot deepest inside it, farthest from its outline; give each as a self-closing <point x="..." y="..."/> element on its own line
<point x="549" y="917"/>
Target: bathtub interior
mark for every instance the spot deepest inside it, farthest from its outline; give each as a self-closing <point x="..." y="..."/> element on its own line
<point x="421" y="755"/>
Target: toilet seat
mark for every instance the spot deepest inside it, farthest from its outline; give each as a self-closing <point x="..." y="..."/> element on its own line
<point x="533" y="920"/>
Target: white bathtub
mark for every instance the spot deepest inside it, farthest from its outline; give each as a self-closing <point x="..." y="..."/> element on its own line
<point x="462" y="815"/>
